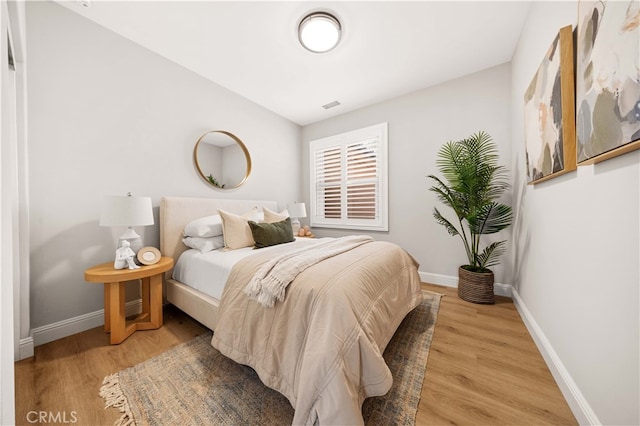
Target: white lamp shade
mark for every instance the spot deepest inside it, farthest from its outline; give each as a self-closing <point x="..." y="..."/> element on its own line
<point x="297" y="210"/>
<point x="126" y="211"/>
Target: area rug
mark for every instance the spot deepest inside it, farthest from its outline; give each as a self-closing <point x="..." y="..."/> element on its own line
<point x="193" y="384"/>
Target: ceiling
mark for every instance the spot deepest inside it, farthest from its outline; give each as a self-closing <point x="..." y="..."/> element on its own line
<point x="251" y="48"/>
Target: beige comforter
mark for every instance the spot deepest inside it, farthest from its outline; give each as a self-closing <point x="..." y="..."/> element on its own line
<point x="322" y="346"/>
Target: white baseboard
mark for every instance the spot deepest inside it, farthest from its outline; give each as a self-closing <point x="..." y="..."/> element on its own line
<point x="450" y="281"/>
<point x="60" y="329"/>
<point x="577" y="402"/>
<point x="25" y="348"/>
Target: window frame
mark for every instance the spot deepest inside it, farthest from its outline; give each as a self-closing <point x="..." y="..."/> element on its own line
<point x="341" y="141"/>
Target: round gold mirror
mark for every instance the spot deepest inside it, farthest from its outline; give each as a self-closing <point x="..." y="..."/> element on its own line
<point x="221" y="159"/>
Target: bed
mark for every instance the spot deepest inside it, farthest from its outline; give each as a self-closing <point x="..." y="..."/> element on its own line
<point x="322" y="345"/>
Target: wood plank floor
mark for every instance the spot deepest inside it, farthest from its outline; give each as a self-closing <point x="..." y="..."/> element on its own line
<point x="483" y="369"/>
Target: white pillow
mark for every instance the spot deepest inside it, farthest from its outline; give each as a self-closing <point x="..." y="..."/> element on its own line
<point x="204" y="244"/>
<point x="272" y="217"/>
<point x="208" y="226"/>
<point x="235" y="229"/>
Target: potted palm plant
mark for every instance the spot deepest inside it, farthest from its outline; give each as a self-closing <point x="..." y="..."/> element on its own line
<point x="473" y="182"/>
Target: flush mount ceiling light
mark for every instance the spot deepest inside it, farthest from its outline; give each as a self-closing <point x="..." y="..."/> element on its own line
<point x="319" y="32"/>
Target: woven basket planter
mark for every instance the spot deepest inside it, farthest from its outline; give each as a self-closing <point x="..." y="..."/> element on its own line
<point x="475" y="287"/>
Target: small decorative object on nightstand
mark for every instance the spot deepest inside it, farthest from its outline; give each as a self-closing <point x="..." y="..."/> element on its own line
<point x="124" y="257"/>
<point x="305" y="232"/>
<point x="148" y="255"/>
<point x="114" y="291"/>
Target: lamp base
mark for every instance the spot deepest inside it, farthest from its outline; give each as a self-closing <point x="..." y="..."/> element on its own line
<point x="295" y="226"/>
<point x="134" y="240"/>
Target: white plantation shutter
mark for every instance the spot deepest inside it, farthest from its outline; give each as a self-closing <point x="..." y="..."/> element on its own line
<point x="328" y="176"/>
<point x="349" y="180"/>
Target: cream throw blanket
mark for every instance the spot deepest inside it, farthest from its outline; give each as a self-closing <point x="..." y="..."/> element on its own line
<point x="270" y="281"/>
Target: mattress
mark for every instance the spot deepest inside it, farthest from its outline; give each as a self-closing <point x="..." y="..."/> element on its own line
<point x="208" y="272"/>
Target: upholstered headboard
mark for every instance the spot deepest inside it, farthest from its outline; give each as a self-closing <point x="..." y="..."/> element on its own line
<point x="176" y="212"/>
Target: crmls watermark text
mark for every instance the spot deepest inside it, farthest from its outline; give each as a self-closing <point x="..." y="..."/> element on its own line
<point x="52" y="417"/>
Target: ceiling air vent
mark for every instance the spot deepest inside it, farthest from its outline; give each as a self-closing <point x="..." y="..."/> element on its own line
<point x="331" y="105"/>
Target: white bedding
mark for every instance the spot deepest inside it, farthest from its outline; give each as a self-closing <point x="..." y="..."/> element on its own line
<point x="208" y="272"/>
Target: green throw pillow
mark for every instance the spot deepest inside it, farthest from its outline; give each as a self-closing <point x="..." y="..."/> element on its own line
<point x="270" y="234"/>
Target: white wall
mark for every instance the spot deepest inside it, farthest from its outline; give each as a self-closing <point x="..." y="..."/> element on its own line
<point x="578" y="257"/>
<point x="419" y="124"/>
<point x="107" y="117"/>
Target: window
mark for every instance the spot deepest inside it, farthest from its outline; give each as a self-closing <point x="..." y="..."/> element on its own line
<point x="349" y="180"/>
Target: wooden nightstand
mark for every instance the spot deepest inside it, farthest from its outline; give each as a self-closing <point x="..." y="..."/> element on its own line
<point x="114" y="290"/>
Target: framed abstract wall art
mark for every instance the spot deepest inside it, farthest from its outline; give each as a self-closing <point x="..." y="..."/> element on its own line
<point x="607" y="79"/>
<point x="550" y="131"/>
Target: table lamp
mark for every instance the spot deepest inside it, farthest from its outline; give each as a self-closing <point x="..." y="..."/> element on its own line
<point x="129" y="211"/>
<point x="296" y="210"/>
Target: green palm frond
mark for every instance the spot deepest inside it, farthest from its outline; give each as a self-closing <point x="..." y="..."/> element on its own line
<point x="448" y="197"/>
<point x="450" y="161"/>
<point x="491" y="253"/>
<point x="490" y="218"/>
<point x="453" y="231"/>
